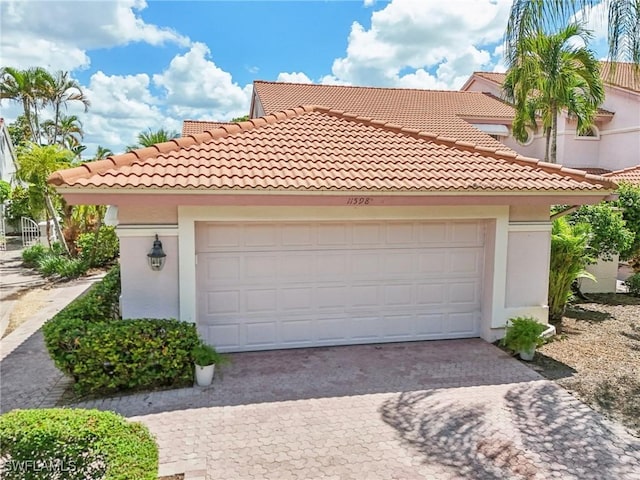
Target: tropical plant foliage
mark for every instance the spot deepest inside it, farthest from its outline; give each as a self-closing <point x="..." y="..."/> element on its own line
<point x="530" y="16"/>
<point x="570" y="254"/>
<point x="609" y="233"/>
<point x="551" y="73"/>
<point x="629" y="203"/>
<point x="151" y="137"/>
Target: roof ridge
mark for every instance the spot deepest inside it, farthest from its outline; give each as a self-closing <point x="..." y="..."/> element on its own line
<point x="623" y="170"/>
<point x="176" y="144"/>
<point x="468" y="146"/>
<point x="363" y="87"/>
<point x="206" y="121"/>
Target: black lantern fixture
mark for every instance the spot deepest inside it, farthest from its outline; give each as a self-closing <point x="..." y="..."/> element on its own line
<point x="156" y="256"/>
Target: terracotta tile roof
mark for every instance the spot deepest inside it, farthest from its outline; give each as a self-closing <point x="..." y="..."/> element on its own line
<point x="628" y="175"/>
<point x="317" y="149"/>
<point x="440" y="112"/>
<point x="622" y="76"/>
<point x="191" y="127"/>
<point x="594" y="171"/>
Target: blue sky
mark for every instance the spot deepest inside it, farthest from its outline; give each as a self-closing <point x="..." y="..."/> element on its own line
<point x="149" y="65"/>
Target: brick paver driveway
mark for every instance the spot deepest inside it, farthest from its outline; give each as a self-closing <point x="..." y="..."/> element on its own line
<point x="434" y="410"/>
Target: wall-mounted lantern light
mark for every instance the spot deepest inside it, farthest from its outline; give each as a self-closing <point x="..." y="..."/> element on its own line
<point x="156" y="256"/>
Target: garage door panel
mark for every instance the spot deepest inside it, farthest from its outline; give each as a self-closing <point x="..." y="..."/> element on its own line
<point x="223" y="302"/>
<point x="465" y="261"/>
<point x="399" y="326"/>
<point x="297" y="235"/>
<point x="262" y="301"/>
<point x="331" y="296"/>
<point x="461" y="322"/>
<point x="296" y="284"/>
<point x="263" y="333"/>
<point x="399" y="295"/>
<point x="367" y="327"/>
<point x="296" y="299"/>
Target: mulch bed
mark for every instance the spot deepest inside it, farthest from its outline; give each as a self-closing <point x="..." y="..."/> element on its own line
<point x="596" y="356"/>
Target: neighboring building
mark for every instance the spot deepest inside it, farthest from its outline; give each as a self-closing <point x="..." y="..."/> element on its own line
<point x="382" y="216"/>
<point x="189" y="127"/>
<point x="7" y="155"/>
<point x="614" y="142"/>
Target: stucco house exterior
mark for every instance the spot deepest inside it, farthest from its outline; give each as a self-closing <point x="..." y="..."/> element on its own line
<point x="614" y="142"/>
<point x="328" y="225"/>
<point x="7" y="155"/>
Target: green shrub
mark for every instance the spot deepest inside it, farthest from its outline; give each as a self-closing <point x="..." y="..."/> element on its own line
<point x="75" y="444"/>
<point x="31" y="256"/>
<point x="633" y="284"/>
<point x="50" y="264"/>
<point x="127" y="354"/>
<point x="570" y="254"/>
<point x="522" y="333"/>
<point x="98" y="253"/>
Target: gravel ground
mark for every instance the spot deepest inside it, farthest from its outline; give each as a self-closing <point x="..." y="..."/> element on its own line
<point x="597" y="356"/>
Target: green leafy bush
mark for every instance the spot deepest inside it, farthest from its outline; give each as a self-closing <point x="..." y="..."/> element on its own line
<point x="629" y="202"/>
<point x="88" y="342"/>
<point x="31" y="256"/>
<point x="75" y="444"/>
<point x="522" y="333"/>
<point x="570" y="254"/>
<point x="609" y="233"/>
<point x="98" y="251"/>
<point x="633" y="284"/>
<point x="109" y="356"/>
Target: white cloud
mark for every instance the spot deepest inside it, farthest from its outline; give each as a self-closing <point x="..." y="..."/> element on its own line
<point x="197" y="88"/>
<point x="121" y="107"/>
<point x="293" y="77"/>
<point x="408" y="38"/>
<point x="57" y="35"/>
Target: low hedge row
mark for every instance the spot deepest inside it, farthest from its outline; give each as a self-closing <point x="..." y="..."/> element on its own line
<point x="103" y="353"/>
<point x="75" y="444"/>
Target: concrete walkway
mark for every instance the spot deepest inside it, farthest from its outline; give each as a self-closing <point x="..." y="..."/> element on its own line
<point x="28" y="377"/>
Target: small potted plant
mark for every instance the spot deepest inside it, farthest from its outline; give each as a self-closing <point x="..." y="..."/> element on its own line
<point x="206" y="358"/>
<point x="522" y="335"/>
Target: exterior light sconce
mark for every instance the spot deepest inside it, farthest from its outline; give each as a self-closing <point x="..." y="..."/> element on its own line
<point x="156" y="256"/>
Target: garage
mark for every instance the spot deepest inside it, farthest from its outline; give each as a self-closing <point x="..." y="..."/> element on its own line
<point x="271" y="285"/>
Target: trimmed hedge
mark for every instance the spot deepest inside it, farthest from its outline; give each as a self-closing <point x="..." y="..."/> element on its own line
<point x="75" y="444"/>
<point x="129" y="354"/>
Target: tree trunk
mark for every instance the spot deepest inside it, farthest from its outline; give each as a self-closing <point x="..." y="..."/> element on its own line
<point x="56" y="224"/>
<point x="554" y="136"/>
<point x="56" y="127"/>
<point x="547" y="135"/>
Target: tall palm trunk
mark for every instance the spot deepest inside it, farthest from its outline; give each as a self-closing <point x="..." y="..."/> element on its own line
<point x="554" y="134"/>
<point x="547" y="143"/>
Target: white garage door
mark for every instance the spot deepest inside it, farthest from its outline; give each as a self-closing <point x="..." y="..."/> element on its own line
<point x="282" y="285"/>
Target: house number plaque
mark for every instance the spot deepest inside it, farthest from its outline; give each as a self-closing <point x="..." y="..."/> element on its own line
<point x="359" y="200"/>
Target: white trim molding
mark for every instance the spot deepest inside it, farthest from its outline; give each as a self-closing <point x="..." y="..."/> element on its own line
<point x="530" y="226"/>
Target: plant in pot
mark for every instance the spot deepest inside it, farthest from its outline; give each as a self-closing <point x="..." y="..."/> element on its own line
<point x="206" y="358"/>
<point x="522" y="335"/>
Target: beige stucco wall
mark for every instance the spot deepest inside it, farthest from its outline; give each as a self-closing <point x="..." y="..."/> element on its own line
<point x="527" y="269"/>
<point x="145" y="293"/>
<point x="146" y="215"/>
<point x="529" y="213"/>
<point x="606" y="274"/>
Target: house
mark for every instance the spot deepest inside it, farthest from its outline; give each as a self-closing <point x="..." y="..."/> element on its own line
<point x="7" y="155"/>
<point x="322" y="225"/>
<point x="614" y="141"/>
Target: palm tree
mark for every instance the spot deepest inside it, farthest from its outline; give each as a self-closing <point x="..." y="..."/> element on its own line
<point x="35" y="164"/>
<point x="552" y="74"/>
<point x="60" y="91"/>
<point x="27" y="87"/>
<point x="150" y="137"/>
<point x="529" y="16"/>
<point x="67" y="129"/>
<point x="102" y="153"/>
